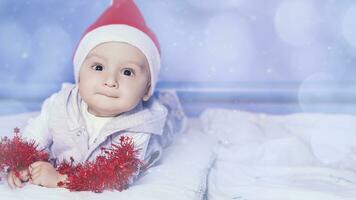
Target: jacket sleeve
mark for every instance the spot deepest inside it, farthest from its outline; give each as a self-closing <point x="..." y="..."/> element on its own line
<point x="37" y="128"/>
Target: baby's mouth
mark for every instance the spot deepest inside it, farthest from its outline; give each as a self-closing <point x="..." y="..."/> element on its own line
<point x="108" y="95"/>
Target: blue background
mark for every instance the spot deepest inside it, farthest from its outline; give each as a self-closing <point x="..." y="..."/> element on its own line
<point x="276" y="56"/>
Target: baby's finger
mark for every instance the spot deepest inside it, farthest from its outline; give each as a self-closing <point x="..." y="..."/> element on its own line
<point x="24" y="175"/>
<point x="35" y="170"/>
<point x="10" y="181"/>
<point x="17" y="181"/>
<point x="35" y="165"/>
<point x="35" y="175"/>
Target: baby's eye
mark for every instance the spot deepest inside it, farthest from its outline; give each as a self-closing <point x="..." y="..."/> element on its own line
<point x="128" y="72"/>
<point x="97" y="67"/>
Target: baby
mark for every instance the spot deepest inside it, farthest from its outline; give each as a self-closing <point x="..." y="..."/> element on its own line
<point x="116" y="65"/>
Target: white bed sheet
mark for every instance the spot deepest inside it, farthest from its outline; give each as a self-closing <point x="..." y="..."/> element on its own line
<point x="259" y="157"/>
<point x="182" y="174"/>
<point x="266" y="157"/>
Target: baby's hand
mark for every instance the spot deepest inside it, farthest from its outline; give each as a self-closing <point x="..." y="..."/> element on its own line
<point x="17" y="182"/>
<point x="44" y="174"/>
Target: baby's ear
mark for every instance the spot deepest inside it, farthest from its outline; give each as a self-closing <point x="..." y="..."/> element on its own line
<point x="148" y="93"/>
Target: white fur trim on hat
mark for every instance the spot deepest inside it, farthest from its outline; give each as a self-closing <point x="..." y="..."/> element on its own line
<point x="119" y="33"/>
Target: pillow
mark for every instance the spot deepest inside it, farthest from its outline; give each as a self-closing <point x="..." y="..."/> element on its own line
<point x="322" y="139"/>
<point x="274" y="157"/>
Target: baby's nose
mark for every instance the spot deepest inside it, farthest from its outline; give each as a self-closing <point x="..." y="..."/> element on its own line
<point x="111" y="81"/>
<point x="111" y="84"/>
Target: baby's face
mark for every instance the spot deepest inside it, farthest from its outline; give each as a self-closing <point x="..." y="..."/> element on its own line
<point x="113" y="79"/>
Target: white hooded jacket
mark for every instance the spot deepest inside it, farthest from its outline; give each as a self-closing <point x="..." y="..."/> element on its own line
<point x="60" y="128"/>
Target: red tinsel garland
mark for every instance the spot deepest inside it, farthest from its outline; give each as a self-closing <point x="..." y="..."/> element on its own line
<point x="112" y="170"/>
<point x="16" y="154"/>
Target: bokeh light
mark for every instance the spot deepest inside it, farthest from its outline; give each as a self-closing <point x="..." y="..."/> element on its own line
<point x="297" y="22"/>
<point x="317" y="91"/>
<point x="229" y="42"/>
<point x="317" y="59"/>
<point x="53" y="53"/>
<point x="349" y="25"/>
<point x="15" y="43"/>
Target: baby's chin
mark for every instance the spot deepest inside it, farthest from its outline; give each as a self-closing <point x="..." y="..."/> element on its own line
<point x="104" y="109"/>
<point x="104" y="112"/>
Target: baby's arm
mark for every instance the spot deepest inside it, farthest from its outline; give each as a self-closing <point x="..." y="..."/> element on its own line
<point x="37" y="128"/>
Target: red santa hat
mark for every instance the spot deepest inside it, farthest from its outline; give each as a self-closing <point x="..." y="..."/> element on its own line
<point x="121" y="22"/>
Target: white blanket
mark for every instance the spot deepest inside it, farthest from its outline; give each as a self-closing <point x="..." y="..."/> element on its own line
<point x="266" y="157"/>
<point x="258" y="157"/>
<point x="181" y="175"/>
